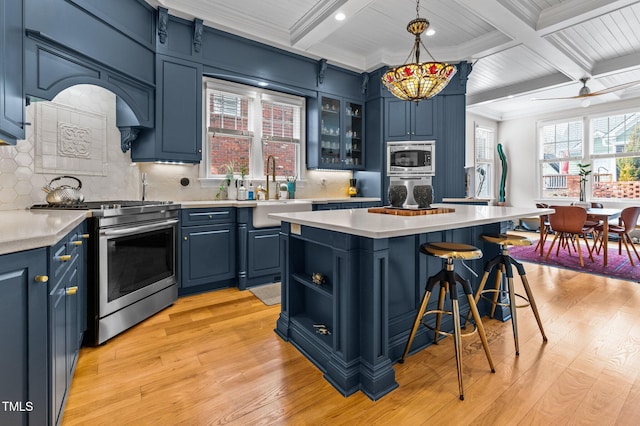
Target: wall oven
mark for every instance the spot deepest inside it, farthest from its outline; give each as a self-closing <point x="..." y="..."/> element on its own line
<point x="411" y="158"/>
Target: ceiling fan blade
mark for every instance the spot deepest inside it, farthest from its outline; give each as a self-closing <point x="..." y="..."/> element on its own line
<point x="615" y="88"/>
<point x="556" y="99"/>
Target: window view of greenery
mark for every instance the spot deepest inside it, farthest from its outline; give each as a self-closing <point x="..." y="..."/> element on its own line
<point x="613" y="157"/>
<point x="616" y="156"/>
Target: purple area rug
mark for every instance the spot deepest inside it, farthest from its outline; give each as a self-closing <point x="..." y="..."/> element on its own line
<point x="618" y="265"/>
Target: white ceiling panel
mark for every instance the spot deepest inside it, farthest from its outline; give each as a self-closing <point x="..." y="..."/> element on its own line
<point x="520" y="48"/>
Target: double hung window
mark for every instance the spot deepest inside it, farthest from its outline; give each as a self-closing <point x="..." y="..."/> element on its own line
<point x="245" y="125"/>
<point x="610" y="145"/>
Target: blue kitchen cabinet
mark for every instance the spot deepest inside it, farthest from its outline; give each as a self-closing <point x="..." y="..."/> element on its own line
<point x="258" y="252"/>
<point x="405" y="120"/>
<point x="208" y="249"/>
<point x="264" y="253"/>
<point x="12" y="106"/>
<point x="341" y="139"/>
<point x="23" y="358"/>
<point x="177" y="136"/>
<point x="67" y="315"/>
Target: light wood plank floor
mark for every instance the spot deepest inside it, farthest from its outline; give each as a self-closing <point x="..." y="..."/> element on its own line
<point x="214" y="359"/>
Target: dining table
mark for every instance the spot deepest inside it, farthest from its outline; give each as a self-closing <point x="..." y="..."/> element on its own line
<point x="603" y="215"/>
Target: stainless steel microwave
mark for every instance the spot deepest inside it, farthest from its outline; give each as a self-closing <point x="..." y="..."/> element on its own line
<point x="411" y="158"/>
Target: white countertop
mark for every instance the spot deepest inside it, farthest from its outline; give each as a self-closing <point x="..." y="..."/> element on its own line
<point x="28" y="229"/>
<point x="374" y="225"/>
<point x="253" y="203"/>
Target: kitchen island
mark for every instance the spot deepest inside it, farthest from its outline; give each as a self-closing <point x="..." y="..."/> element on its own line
<point x="352" y="282"/>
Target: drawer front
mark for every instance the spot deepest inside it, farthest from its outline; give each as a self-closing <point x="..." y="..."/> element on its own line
<point x="206" y="216"/>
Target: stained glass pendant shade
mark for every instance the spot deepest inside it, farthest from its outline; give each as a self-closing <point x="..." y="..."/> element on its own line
<point x="417" y="81"/>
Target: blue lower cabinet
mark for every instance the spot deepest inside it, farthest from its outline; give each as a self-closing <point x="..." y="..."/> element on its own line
<point x="264" y="253"/>
<point x="208" y="250"/>
<point x="23" y="358"/>
<point x="66" y="315"/>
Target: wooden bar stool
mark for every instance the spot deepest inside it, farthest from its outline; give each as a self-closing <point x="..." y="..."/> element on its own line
<point x="504" y="263"/>
<point x="448" y="279"/>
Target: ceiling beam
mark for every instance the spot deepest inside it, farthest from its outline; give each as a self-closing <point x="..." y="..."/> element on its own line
<point x="319" y="21"/>
<point x="517" y="89"/>
<point x="506" y="21"/>
<point x="573" y="12"/>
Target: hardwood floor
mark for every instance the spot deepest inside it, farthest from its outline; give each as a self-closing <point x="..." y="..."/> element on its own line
<point x="214" y="359"/>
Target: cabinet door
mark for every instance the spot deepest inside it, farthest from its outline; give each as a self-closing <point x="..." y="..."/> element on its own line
<point x="12" y="107"/>
<point x="330" y="131"/>
<point x="208" y="254"/>
<point x="353" y="135"/>
<point x="23" y="358"/>
<point x="423" y="119"/>
<point x="180" y="115"/>
<point x="264" y="252"/>
<point x="397" y="123"/>
<point x="58" y="346"/>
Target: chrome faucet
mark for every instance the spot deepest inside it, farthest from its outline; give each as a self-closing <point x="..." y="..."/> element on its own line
<point x="271" y="159"/>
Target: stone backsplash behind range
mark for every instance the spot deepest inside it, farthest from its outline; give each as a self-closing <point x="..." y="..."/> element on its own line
<point x="78" y="137"/>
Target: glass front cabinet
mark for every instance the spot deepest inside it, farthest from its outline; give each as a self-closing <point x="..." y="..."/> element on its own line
<point x="341" y="134"/>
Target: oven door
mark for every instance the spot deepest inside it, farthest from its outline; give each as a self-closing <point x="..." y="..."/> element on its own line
<point x="135" y="261"/>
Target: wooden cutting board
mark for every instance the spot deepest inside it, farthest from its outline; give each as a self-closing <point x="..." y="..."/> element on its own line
<point x="399" y="211"/>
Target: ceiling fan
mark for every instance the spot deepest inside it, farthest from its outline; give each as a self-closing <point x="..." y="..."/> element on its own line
<point x="585" y="92"/>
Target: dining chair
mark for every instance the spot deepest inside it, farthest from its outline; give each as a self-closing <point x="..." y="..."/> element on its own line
<point x="547" y="227"/>
<point x="626" y="223"/>
<point x="568" y="223"/>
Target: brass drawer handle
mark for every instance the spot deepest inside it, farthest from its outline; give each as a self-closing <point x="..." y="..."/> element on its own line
<point x="76" y="243"/>
<point x="85" y="236"/>
<point x="64" y="258"/>
<point x="42" y="278"/>
<point x="72" y="290"/>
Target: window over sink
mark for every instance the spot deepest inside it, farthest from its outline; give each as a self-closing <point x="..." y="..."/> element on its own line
<point x="245" y="125"/>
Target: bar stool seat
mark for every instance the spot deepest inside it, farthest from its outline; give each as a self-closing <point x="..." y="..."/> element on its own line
<point x="447" y="279"/>
<point x="504" y="263"/>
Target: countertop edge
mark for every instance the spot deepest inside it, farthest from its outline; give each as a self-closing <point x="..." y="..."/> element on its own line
<point x="41" y="237"/>
<point x="416" y="228"/>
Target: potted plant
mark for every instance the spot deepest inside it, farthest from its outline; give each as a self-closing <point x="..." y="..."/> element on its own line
<point x="223" y="189"/>
<point x="585" y="171"/>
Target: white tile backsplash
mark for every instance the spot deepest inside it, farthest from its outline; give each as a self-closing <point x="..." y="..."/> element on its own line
<point x="20" y="183"/>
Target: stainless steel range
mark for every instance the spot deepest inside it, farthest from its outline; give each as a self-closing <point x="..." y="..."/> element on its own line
<point x="132" y="266"/>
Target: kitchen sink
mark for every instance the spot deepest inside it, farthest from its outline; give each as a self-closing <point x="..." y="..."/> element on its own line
<point x="262" y="210"/>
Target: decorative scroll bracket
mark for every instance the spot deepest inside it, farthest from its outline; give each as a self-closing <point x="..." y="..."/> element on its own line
<point x="197" y="34"/>
<point x="322" y="69"/>
<point x="163" y="22"/>
<point x="365" y="82"/>
<point x="128" y="135"/>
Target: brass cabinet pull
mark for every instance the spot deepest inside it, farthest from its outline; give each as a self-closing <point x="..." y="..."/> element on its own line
<point x="185" y="238"/>
<point x="64" y="258"/>
<point x="77" y="243"/>
<point x="72" y="290"/>
<point x="85" y="236"/>
<point x="42" y="278"/>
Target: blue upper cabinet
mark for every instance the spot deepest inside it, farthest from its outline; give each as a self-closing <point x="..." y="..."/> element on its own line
<point x="407" y="120"/>
<point x="341" y="135"/>
<point x="177" y="135"/>
<point x="12" y="108"/>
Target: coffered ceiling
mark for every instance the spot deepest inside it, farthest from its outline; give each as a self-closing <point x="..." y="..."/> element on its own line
<point x="520" y="49"/>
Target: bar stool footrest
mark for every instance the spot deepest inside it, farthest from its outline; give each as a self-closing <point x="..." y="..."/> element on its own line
<point x="445" y="333"/>
<point x="504" y="293"/>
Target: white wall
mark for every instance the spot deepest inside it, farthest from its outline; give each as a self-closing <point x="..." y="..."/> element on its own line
<point x="518" y="137"/>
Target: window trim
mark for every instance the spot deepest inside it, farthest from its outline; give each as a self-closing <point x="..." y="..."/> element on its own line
<point x="587" y="157"/>
<point x="256" y="161"/>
